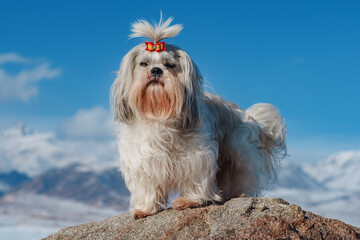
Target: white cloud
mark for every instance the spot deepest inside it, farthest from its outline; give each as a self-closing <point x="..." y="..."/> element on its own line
<point x="22" y="85"/>
<point x="12" y="57"/>
<point x="33" y="152"/>
<point x="94" y="123"/>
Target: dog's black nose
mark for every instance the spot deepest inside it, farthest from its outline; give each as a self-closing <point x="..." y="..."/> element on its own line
<point x="156" y="72"/>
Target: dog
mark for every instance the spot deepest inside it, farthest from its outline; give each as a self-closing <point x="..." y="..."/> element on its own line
<point x="175" y="136"/>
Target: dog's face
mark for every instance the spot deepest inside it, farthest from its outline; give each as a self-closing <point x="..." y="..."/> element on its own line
<point x="157" y="91"/>
<point x="157" y="86"/>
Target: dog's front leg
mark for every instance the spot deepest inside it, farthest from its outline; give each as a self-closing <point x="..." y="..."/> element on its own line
<point x="147" y="197"/>
<point x="199" y="184"/>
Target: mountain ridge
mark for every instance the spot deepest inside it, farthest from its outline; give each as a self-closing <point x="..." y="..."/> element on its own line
<point x="105" y="188"/>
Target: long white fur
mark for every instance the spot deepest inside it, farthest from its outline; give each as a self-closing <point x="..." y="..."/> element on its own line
<point x="210" y="151"/>
<point x="158" y="32"/>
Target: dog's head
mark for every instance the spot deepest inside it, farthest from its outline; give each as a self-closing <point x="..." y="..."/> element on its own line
<point x="157" y="82"/>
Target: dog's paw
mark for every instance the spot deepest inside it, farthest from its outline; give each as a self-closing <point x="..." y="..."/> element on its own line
<point x="182" y="203"/>
<point x="138" y="214"/>
<point x="243" y="195"/>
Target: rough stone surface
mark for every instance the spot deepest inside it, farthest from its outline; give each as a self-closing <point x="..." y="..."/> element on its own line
<point x="240" y="218"/>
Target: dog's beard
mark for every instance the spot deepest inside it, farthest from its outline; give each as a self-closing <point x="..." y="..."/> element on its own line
<point x="157" y="98"/>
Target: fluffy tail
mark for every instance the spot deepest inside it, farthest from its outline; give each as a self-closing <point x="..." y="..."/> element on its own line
<point x="273" y="135"/>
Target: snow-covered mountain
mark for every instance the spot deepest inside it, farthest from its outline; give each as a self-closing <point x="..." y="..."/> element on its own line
<point x="78" y="183"/>
<point x="59" y="198"/>
<point x="294" y="176"/>
<point x="70" y="181"/>
<point x="340" y="171"/>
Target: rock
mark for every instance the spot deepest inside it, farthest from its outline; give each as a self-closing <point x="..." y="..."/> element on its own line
<point x="239" y="218"/>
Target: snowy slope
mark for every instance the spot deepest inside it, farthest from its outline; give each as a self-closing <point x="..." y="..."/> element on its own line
<point x="59" y="194"/>
<point x="59" y="198"/>
<point x="101" y="189"/>
<point x="294" y="176"/>
<point x="340" y="171"/>
<point x="32" y="216"/>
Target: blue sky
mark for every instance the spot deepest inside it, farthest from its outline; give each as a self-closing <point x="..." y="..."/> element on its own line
<point x="57" y="57"/>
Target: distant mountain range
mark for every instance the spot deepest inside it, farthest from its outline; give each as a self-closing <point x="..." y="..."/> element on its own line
<point x="294" y="176"/>
<point x="75" y="182"/>
<point x="32" y="208"/>
<point x="50" y="182"/>
<point x="41" y="163"/>
<point x="339" y="172"/>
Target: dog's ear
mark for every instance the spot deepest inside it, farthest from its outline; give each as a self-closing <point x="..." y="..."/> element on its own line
<point x="120" y="89"/>
<point x="193" y="90"/>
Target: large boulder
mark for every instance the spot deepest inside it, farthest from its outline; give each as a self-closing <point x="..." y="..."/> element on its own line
<point x="239" y="218"/>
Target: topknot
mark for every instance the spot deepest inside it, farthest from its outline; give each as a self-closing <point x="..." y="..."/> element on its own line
<point x="157" y="31"/>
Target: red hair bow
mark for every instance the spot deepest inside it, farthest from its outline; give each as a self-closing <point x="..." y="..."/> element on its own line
<point x="158" y="47"/>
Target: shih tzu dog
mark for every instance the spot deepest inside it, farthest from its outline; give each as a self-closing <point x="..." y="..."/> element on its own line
<point x="175" y="136"/>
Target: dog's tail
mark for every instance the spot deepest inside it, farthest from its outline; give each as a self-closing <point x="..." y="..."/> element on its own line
<point x="272" y="135"/>
<point x="271" y="122"/>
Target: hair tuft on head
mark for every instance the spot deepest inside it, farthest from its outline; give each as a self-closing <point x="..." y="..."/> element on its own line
<point x="157" y="32"/>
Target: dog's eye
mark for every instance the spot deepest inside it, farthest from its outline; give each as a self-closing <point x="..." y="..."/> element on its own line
<point x="143" y="64"/>
<point x="170" y="65"/>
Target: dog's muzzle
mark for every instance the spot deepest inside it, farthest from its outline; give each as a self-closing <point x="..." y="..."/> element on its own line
<point x="156" y="72"/>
